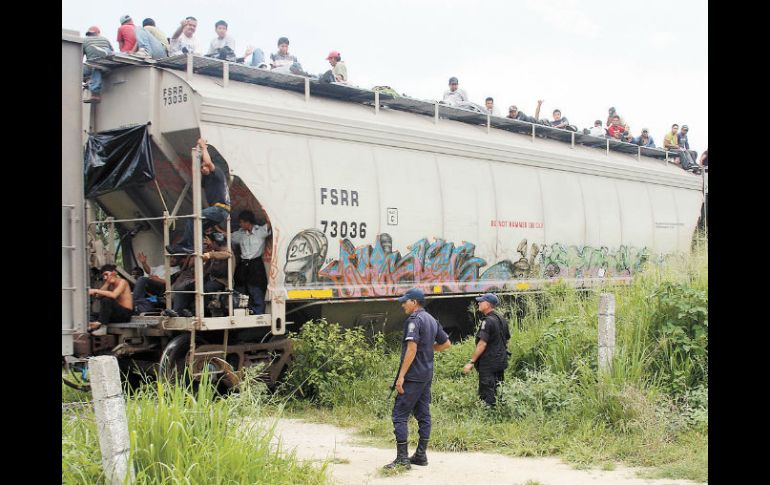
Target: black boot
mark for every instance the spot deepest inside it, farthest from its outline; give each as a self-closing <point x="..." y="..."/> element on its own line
<point x="402" y="457"/>
<point x="419" y="457"/>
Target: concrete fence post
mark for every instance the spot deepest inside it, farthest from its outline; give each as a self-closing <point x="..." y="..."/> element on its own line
<point x="606" y="330"/>
<point x="111" y="421"/>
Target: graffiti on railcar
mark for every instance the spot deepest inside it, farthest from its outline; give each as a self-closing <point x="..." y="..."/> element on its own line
<point x="377" y="270"/>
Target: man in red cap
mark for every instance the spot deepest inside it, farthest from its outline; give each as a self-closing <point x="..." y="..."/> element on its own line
<point x="339" y="69"/>
<point x="94" y="47"/>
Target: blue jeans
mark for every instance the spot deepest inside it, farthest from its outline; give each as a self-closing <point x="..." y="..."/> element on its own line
<point x="257" y="58"/>
<point x="211" y="215"/>
<point x="415" y="400"/>
<point x="94" y="77"/>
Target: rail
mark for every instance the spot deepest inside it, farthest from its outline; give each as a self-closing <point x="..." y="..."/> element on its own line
<point x="228" y="71"/>
<point x="197" y="254"/>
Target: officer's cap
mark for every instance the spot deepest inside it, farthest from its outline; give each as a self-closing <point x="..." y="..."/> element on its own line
<point x="489" y="297"/>
<point x="412" y="294"/>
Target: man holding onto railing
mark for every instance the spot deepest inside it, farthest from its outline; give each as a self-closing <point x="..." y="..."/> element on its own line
<point x="217" y="192"/>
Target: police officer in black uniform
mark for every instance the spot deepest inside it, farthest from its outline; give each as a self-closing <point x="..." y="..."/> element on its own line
<point x="423" y="336"/>
<point x="491" y="354"/>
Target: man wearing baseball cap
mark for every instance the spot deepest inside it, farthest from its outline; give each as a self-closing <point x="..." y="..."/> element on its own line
<point x="454" y="95"/>
<point x="491" y="354"/>
<point x="126" y="34"/>
<point x="423" y="336"/>
<point x="339" y="69"/>
<point x="94" y="47"/>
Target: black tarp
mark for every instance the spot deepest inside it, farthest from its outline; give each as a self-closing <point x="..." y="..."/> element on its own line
<point x="116" y="159"/>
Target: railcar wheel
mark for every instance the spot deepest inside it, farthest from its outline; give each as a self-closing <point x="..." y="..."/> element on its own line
<point x="173" y="361"/>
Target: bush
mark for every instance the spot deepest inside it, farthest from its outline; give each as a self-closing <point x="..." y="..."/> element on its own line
<point x="326" y="357"/>
<point x="679" y="325"/>
<point x="539" y="393"/>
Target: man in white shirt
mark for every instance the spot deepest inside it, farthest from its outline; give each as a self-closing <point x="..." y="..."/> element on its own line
<point x="597" y="129"/>
<point x="153" y="284"/>
<point x="489" y="103"/>
<point x="250" y="275"/>
<point x="454" y="96"/>
<point x="222" y="39"/>
<point x="183" y="39"/>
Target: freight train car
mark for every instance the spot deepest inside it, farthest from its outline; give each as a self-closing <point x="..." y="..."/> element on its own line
<point x="369" y="194"/>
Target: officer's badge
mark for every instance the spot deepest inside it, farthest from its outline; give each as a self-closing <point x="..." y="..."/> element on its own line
<point x="483" y="324"/>
<point x="412" y="326"/>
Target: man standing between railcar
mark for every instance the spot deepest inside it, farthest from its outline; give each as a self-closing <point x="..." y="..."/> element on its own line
<point x="423" y="336"/>
<point x="491" y="354"/>
<point x="250" y="275"/>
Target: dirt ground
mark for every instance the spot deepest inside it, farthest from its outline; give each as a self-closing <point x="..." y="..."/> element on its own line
<point x="358" y="464"/>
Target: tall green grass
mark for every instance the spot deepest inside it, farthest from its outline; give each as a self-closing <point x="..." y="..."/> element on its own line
<point x="650" y="410"/>
<point x="185" y="435"/>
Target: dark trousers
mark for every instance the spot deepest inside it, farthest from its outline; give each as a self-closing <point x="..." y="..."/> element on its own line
<point x="145" y="285"/>
<point x="181" y="301"/>
<point x="488" y="382"/>
<point x="251" y="278"/>
<point x="111" y="312"/>
<point x="211" y="215"/>
<point x="415" y="400"/>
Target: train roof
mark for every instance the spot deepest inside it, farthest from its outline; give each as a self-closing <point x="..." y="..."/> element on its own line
<point x="351" y="94"/>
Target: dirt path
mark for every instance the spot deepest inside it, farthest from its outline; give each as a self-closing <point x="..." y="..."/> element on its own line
<point x="359" y="464"/>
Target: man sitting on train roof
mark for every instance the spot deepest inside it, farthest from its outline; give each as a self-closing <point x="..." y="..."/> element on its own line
<point x="559" y="121"/>
<point x="489" y="103"/>
<point x="94" y="47"/>
<point x="597" y="129"/>
<point x="616" y="129"/>
<point x="339" y="69"/>
<point x="623" y="123"/>
<point x="147" y="45"/>
<point x="126" y="34"/>
<point x="183" y="40"/>
<point x="148" y="24"/>
<point x="283" y="62"/>
<point x="454" y="96"/>
<point x="644" y="140"/>
<point x="116" y="304"/>
<point x="217" y="192"/>
<point x="515" y="114"/>
<point x="683" y="157"/>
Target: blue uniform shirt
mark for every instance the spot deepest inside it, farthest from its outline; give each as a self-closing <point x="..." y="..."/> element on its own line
<point x="421" y="328"/>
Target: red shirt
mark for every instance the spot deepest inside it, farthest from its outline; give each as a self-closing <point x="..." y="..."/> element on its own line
<point x="616" y="130"/>
<point x="127" y="36"/>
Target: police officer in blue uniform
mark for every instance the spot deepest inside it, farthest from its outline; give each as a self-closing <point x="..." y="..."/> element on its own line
<point x="423" y="336"/>
<point x="491" y="354"/>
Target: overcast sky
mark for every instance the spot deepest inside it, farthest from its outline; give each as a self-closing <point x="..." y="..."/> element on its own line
<point x="648" y="59"/>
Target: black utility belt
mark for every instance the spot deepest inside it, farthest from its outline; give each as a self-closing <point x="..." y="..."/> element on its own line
<point x="247" y="261"/>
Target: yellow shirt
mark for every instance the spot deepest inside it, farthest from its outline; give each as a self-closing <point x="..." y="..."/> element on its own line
<point x="670" y="139"/>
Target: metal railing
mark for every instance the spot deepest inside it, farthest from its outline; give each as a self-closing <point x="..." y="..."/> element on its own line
<point x="197" y="254"/>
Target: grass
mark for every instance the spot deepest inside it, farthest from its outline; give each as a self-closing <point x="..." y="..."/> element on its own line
<point x="180" y="435"/>
<point x="554" y="401"/>
<point x="649" y="411"/>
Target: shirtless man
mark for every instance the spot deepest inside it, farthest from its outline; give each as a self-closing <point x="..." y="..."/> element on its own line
<point x="116" y="302"/>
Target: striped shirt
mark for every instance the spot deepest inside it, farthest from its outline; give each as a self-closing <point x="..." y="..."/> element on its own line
<point x="93" y="45"/>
